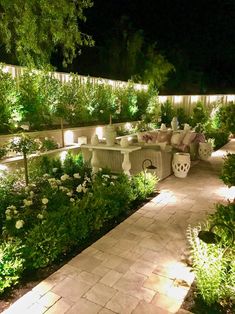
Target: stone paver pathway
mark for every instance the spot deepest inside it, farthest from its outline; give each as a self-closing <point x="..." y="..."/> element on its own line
<point x="137" y="267"/>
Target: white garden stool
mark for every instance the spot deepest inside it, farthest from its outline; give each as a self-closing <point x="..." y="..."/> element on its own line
<point x="205" y="150"/>
<point x="181" y="164"/>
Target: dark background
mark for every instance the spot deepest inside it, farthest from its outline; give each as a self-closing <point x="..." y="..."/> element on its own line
<point x="197" y="37"/>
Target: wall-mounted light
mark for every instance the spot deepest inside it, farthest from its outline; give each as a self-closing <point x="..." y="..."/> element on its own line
<point x="68" y="137"/>
<point x="99" y="132"/>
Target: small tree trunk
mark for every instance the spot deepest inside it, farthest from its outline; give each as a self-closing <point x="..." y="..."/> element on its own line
<point x="26" y="169"/>
<point x="62" y="131"/>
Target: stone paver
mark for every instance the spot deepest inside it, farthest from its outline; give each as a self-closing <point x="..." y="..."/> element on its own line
<point x="139" y="266"/>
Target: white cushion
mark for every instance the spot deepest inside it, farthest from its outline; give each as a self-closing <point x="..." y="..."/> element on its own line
<point x="189" y="137"/>
<point x="177" y="138"/>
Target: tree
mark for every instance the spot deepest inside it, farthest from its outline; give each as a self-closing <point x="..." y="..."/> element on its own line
<point x="128" y="55"/>
<point x="34" y="29"/>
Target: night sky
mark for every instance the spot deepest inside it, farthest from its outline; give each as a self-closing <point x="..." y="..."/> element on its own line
<point x="197" y="37"/>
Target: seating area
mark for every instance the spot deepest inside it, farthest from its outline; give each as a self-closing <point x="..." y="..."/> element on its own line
<point x="159" y="146"/>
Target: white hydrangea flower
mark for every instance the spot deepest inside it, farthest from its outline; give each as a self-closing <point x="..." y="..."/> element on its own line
<point x="54" y="170"/>
<point x="19" y="224"/>
<point x="11" y="207"/>
<point x="70" y="193"/>
<point x="84" y="189"/>
<point x="44" y="200"/>
<point x="76" y="176"/>
<point x="27" y="202"/>
<point x="40" y="216"/>
<point x="112" y="183"/>
<point x="7" y="211"/>
<point x="72" y="199"/>
<point x="64" y="177"/>
<point x="79" y="188"/>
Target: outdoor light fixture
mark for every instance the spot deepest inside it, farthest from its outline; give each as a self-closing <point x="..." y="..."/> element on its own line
<point x="149" y="167"/>
<point x="210" y="237"/>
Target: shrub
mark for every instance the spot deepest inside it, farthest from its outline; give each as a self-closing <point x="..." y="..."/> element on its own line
<point x="226" y="117"/>
<point x="3" y="152"/>
<point x="200" y="115"/>
<point x="38" y="94"/>
<point x="213" y="263"/>
<point x="8" y="98"/>
<point x="11" y="264"/>
<point x="181" y="116"/>
<point x="219" y="138"/>
<point x="48" y="144"/>
<point x="209" y="267"/>
<point x="167" y="112"/>
<point x="228" y="170"/>
<point x="143" y="184"/>
<point x="53" y="214"/>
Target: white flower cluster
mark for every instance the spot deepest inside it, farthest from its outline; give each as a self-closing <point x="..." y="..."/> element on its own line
<point x="10" y="212"/>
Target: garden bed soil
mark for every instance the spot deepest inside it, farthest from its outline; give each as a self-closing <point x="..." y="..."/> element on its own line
<point x="31" y="279"/>
<point x="195" y="304"/>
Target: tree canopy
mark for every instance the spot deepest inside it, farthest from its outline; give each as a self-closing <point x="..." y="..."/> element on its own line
<point x="32" y="30"/>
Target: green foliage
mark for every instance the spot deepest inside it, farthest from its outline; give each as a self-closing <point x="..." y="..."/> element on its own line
<point x="209" y="267"/>
<point x="63" y="206"/>
<point x="143" y="184"/>
<point x="127" y="102"/>
<point x="167" y="112"/>
<point x="224" y="214"/>
<point x="219" y="138"/>
<point x="128" y="55"/>
<point x="181" y="116"/>
<point x="8" y="98"/>
<point x="153" y="110"/>
<point x="200" y="115"/>
<point x="3" y="152"/>
<point x="39" y="92"/>
<point x="48" y="144"/>
<point x="157" y="68"/>
<point x="228" y="170"/>
<point x="213" y="264"/>
<point x="33" y="30"/>
<point x="227" y="117"/>
<point x="11" y="264"/>
<point x="24" y="144"/>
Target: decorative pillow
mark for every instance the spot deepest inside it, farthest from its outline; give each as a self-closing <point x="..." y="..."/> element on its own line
<point x="154" y="135"/>
<point x="177" y="138"/>
<point x="189" y="137"/>
<point x="163" y="136"/>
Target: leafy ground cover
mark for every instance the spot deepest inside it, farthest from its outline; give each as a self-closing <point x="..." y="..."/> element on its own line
<point x="40" y="221"/>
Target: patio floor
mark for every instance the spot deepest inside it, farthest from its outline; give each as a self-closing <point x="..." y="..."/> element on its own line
<point x="138" y="267"/>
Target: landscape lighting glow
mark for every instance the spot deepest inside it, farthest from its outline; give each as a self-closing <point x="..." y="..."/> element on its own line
<point x="178" y="99"/>
<point x="68" y="137"/>
<point x="231" y="98"/>
<point x="99" y="132"/>
<point x="162" y="99"/>
<point x="194" y="98"/>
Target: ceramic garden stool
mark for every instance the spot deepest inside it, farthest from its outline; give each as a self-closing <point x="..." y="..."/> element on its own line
<point x="181" y="164"/>
<point x="205" y="150"/>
